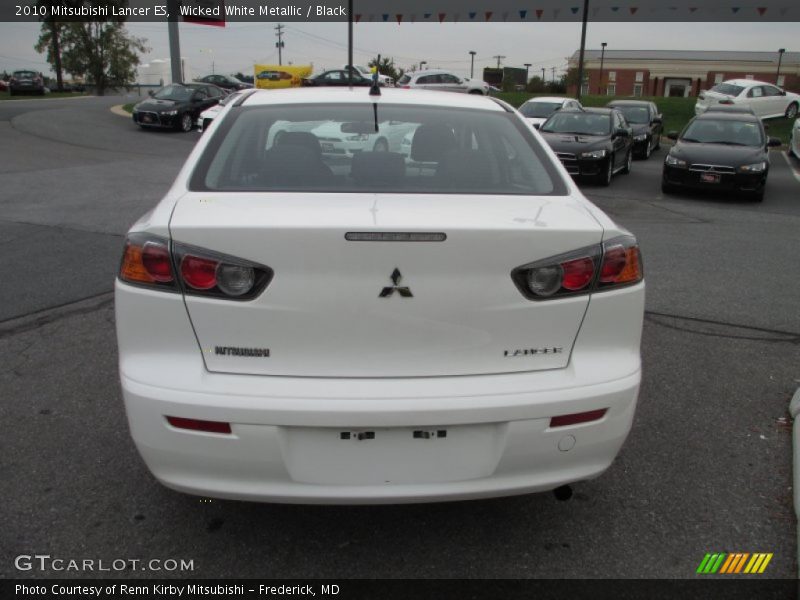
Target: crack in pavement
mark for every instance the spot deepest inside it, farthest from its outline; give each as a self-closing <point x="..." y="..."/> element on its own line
<point x="711" y="328"/>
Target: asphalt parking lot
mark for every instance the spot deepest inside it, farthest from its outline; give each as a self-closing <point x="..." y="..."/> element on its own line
<point x="706" y="468"/>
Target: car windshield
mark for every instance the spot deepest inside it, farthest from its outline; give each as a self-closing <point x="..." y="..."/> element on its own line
<point x="24" y="74"/>
<point x="728" y="131"/>
<point x="415" y="149"/>
<point x="728" y="89"/>
<point x="579" y="123"/>
<point x="635" y="114"/>
<point x="177" y="93"/>
<point x="539" y="110"/>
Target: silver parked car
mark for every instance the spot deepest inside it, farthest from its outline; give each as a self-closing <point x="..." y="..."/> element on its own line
<point x="443" y="81"/>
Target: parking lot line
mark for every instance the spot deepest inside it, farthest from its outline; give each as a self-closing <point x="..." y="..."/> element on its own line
<point x="792" y="168"/>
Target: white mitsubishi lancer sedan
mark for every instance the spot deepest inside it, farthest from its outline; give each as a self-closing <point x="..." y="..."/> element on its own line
<point x="456" y="321"/>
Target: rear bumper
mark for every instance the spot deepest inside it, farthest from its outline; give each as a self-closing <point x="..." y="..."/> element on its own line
<point x="286" y="443"/>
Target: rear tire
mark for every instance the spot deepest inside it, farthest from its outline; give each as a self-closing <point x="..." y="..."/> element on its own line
<point x="628" y="162"/>
<point x="791" y="111"/>
<point x="186" y="122"/>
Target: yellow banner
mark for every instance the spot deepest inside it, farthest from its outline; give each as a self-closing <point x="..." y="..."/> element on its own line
<point x="270" y="77"/>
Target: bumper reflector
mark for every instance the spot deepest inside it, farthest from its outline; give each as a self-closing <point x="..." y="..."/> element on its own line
<point x="575" y="418"/>
<point x="198" y="425"/>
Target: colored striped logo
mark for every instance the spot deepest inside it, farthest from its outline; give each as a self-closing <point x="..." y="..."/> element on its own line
<point x="734" y="563"/>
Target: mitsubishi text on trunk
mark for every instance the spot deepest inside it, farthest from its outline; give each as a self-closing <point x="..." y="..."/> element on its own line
<point x="456" y="321"/>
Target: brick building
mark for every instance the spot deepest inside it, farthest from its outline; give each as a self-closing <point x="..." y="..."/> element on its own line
<point x="681" y="72"/>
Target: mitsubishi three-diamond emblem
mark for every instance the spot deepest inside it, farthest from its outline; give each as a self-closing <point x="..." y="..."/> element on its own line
<point x="389" y="290"/>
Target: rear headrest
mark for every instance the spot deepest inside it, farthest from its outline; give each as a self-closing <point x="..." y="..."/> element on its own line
<point x="431" y="142"/>
<point x="378" y="167"/>
<point x="464" y="169"/>
<point x="300" y="138"/>
<point x="291" y="165"/>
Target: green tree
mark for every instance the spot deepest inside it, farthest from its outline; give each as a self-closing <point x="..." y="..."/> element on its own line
<point x="101" y="51"/>
<point x="387" y="67"/>
<point x="50" y="42"/>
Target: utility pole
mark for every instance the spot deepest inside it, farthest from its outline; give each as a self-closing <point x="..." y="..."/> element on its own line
<point x="543" y="74"/>
<point x="583" y="47"/>
<point x="527" y="66"/>
<point x="174" y="44"/>
<point x="279" y="44"/>
<point x="472" y="64"/>
<point x="499" y="58"/>
<point x="553" y="69"/>
<point x="780" y="59"/>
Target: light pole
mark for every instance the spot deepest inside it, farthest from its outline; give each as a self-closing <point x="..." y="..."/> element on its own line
<point x="780" y="59"/>
<point x="602" y="59"/>
<point x="472" y="54"/>
<point x="527" y="66"/>
<point x="422" y="62"/>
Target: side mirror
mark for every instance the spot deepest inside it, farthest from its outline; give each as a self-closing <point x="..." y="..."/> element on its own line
<point x="537" y="125"/>
<point x="774" y="142"/>
<point x="151" y="93"/>
<point x="622" y="133"/>
<point x="673" y="135"/>
<point x="657" y="120"/>
<point x="783" y="92"/>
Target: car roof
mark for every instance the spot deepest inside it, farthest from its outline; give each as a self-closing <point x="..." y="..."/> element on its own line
<point x="597" y="110"/>
<point x="747" y="82"/>
<point x="358" y="95"/>
<point x="615" y="103"/>
<point x="729" y="116"/>
<point x="731" y="108"/>
<point x="548" y="99"/>
<point x="431" y="72"/>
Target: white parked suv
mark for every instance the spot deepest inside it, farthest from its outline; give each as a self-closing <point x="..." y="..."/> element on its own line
<point x="443" y="81"/>
<point x="766" y="100"/>
<point x="459" y="322"/>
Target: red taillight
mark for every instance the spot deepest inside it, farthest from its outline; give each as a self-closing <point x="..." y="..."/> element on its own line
<point x="157" y="262"/>
<point x="577" y="274"/>
<point x="406" y="87"/>
<point x="146" y="261"/>
<point x="199" y="273"/>
<point x="618" y="261"/>
<point x="200" y="425"/>
<point x="576" y="418"/>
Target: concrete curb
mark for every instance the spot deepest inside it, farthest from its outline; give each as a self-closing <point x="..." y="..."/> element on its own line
<point x="118" y="110"/>
<point x="794" y="410"/>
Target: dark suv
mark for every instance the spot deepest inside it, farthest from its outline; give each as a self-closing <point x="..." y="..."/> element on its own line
<point x="26" y="82"/>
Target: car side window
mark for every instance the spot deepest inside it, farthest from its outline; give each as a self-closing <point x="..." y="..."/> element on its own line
<point x="333" y="76"/>
<point x="449" y="78"/>
<point x="770" y="90"/>
<point x="200" y="94"/>
<point x="756" y="92"/>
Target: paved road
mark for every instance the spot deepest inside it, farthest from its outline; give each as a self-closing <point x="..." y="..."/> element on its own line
<point x="706" y="468"/>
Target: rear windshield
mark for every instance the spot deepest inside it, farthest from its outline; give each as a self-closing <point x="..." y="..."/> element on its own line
<point x="177" y="93"/>
<point x="389" y="148"/>
<point x="25" y="74"/>
<point x="539" y="110"/>
<point x="635" y="114"/>
<point x="728" y="132"/>
<point x="728" y="89"/>
<point x="579" y="123"/>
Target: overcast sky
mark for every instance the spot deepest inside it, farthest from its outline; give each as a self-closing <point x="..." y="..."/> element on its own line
<point x="240" y="45"/>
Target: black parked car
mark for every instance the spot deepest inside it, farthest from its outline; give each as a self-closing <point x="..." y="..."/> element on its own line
<point x="226" y="82"/>
<point x="26" y="82"/>
<point x="339" y="77"/>
<point x="720" y="151"/>
<point x="176" y="106"/>
<point x="645" y="120"/>
<point x="593" y="142"/>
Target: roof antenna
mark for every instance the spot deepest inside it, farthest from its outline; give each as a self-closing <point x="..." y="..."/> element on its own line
<point x="375" y="90"/>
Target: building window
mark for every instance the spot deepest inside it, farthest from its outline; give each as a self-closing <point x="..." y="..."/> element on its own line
<point x="748" y="76"/>
<point x="585" y="89"/>
<point x="612" y="89"/>
<point x="639" y="76"/>
<point x="637" y="90"/>
<point x="718" y="77"/>
<point x="781" y="80"/>
<point x="612" y="75"/>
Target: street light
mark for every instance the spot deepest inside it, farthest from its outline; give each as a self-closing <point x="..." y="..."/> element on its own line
<point x="472" y="63"/>
<point x="422" y="62"/>
<point x="780" y="59"/>
<point x="527" y="66"/>
<point x="602" y="59"/>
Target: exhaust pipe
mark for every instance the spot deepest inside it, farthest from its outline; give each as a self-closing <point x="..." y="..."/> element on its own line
<point x="563" y="493"/>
